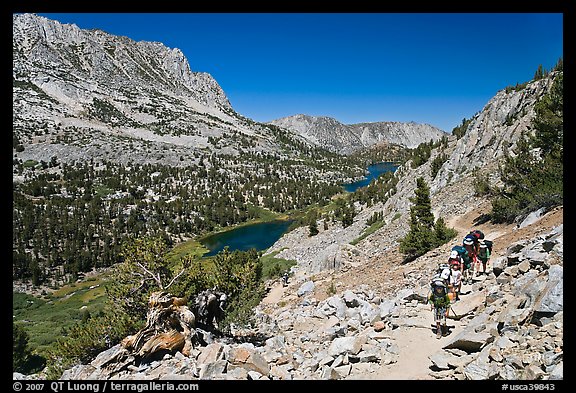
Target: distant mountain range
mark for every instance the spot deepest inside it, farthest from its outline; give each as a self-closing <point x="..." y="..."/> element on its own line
<point x="344" y="139"/>
<point x="82" y="93"/>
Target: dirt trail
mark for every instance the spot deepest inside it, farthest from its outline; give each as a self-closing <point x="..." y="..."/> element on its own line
<point x="275" y="294"/>
<point x="416" y="344"/>
<point x="417" y="341"/>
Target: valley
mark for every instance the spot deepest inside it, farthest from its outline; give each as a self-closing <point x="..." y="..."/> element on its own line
<point x="130" y="170"/>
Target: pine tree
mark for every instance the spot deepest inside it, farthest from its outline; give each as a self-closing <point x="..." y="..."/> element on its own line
<point x="312" y="229"/>
<point x="425" y="233"/>
<point x="422" y="205"/>
<point x="442" y="233"/>
<point x="145" y="269"/>
<point x="559" y="65"/>
<point x="540" y="73"/>
<point x="549" y="122"/>
<point x="420" y="238"/>
<point x="238" y="274"/>
<point x="20" y="351"/>
<point x="460" y="130"/>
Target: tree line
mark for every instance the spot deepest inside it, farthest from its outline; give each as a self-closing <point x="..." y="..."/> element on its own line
<point x="72" y="217"/>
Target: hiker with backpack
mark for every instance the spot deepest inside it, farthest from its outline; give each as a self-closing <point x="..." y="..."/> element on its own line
<point x="442" y="273"/>
<point x="468" y="244"/>
<point x="440" y="303"/>
<point x="478" y="235"/>
<point x="484" y="254"/>
<point x="455" y="283"/>
<point x="466" y="262"/>
<point x="455" y="258"/>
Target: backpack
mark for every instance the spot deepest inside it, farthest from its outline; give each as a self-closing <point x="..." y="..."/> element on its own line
<point x="471" y="238"/>
<point x="437" y="281"/>
<point x="463" y="254"/>
<point x="441" y="267"/>
<point x="478" y="234"/>
<point x="461" y="250"/>
<point x="488" y="245"/>
<point x="458" y="260"/>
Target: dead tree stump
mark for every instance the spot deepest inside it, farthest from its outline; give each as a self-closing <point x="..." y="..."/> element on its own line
<point x="170" y="325"/>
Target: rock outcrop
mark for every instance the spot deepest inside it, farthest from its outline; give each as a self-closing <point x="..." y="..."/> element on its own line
<point x="492" y="132"/>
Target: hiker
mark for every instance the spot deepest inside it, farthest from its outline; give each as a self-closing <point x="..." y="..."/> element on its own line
<point x="468" y="244"/>
<point x="478" y="235"/>
<point x="440" y="303"/>
<point x="455" y="279"/>
<point x="484" y="255"/>
<point x="285" y="279"/>
<point x="466" y="261"/>
<point x="455" y="258"/>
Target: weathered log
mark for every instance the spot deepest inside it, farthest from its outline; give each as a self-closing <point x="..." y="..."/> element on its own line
<point x="187" y="322"/>
<point x="170" y="325"/>
<point x="171" y="341"/>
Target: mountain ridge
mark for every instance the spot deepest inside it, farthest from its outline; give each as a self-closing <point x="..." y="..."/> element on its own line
<point x="66" y="79"/>
<point x="78" y="85"/>
<point x="348" y="138"/>
<point x="85" y="51"/>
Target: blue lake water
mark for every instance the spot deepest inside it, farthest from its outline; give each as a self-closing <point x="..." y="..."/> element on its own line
<point x="259" y="236"/>
<point x="374" y="171"/>
<point x="263" y="235"/>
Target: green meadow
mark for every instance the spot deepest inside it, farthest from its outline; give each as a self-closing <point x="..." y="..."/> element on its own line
<point x="45" y="318"/>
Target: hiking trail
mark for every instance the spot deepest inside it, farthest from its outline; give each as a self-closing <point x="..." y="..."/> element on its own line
<point x="415" y="337"/>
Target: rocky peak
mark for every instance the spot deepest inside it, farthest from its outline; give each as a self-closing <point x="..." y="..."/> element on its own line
<point x="320" y="130"/>
<point x="46" y="50"/>
<point x="79" y="94"/>
<point x="345" y="139"/>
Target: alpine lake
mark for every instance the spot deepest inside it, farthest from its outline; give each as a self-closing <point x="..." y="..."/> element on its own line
<point x="262" y="235"/>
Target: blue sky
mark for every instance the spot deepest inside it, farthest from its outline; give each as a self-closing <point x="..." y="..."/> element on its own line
<point x="425" y="67"/>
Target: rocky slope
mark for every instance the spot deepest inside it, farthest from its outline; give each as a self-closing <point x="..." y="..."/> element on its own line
<point x="512" y="329"/>
<point x="356" y="311"/>
<point x="81" y="94"/>
<point x="345" y="139"/>
<point x="491" y="132"/>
